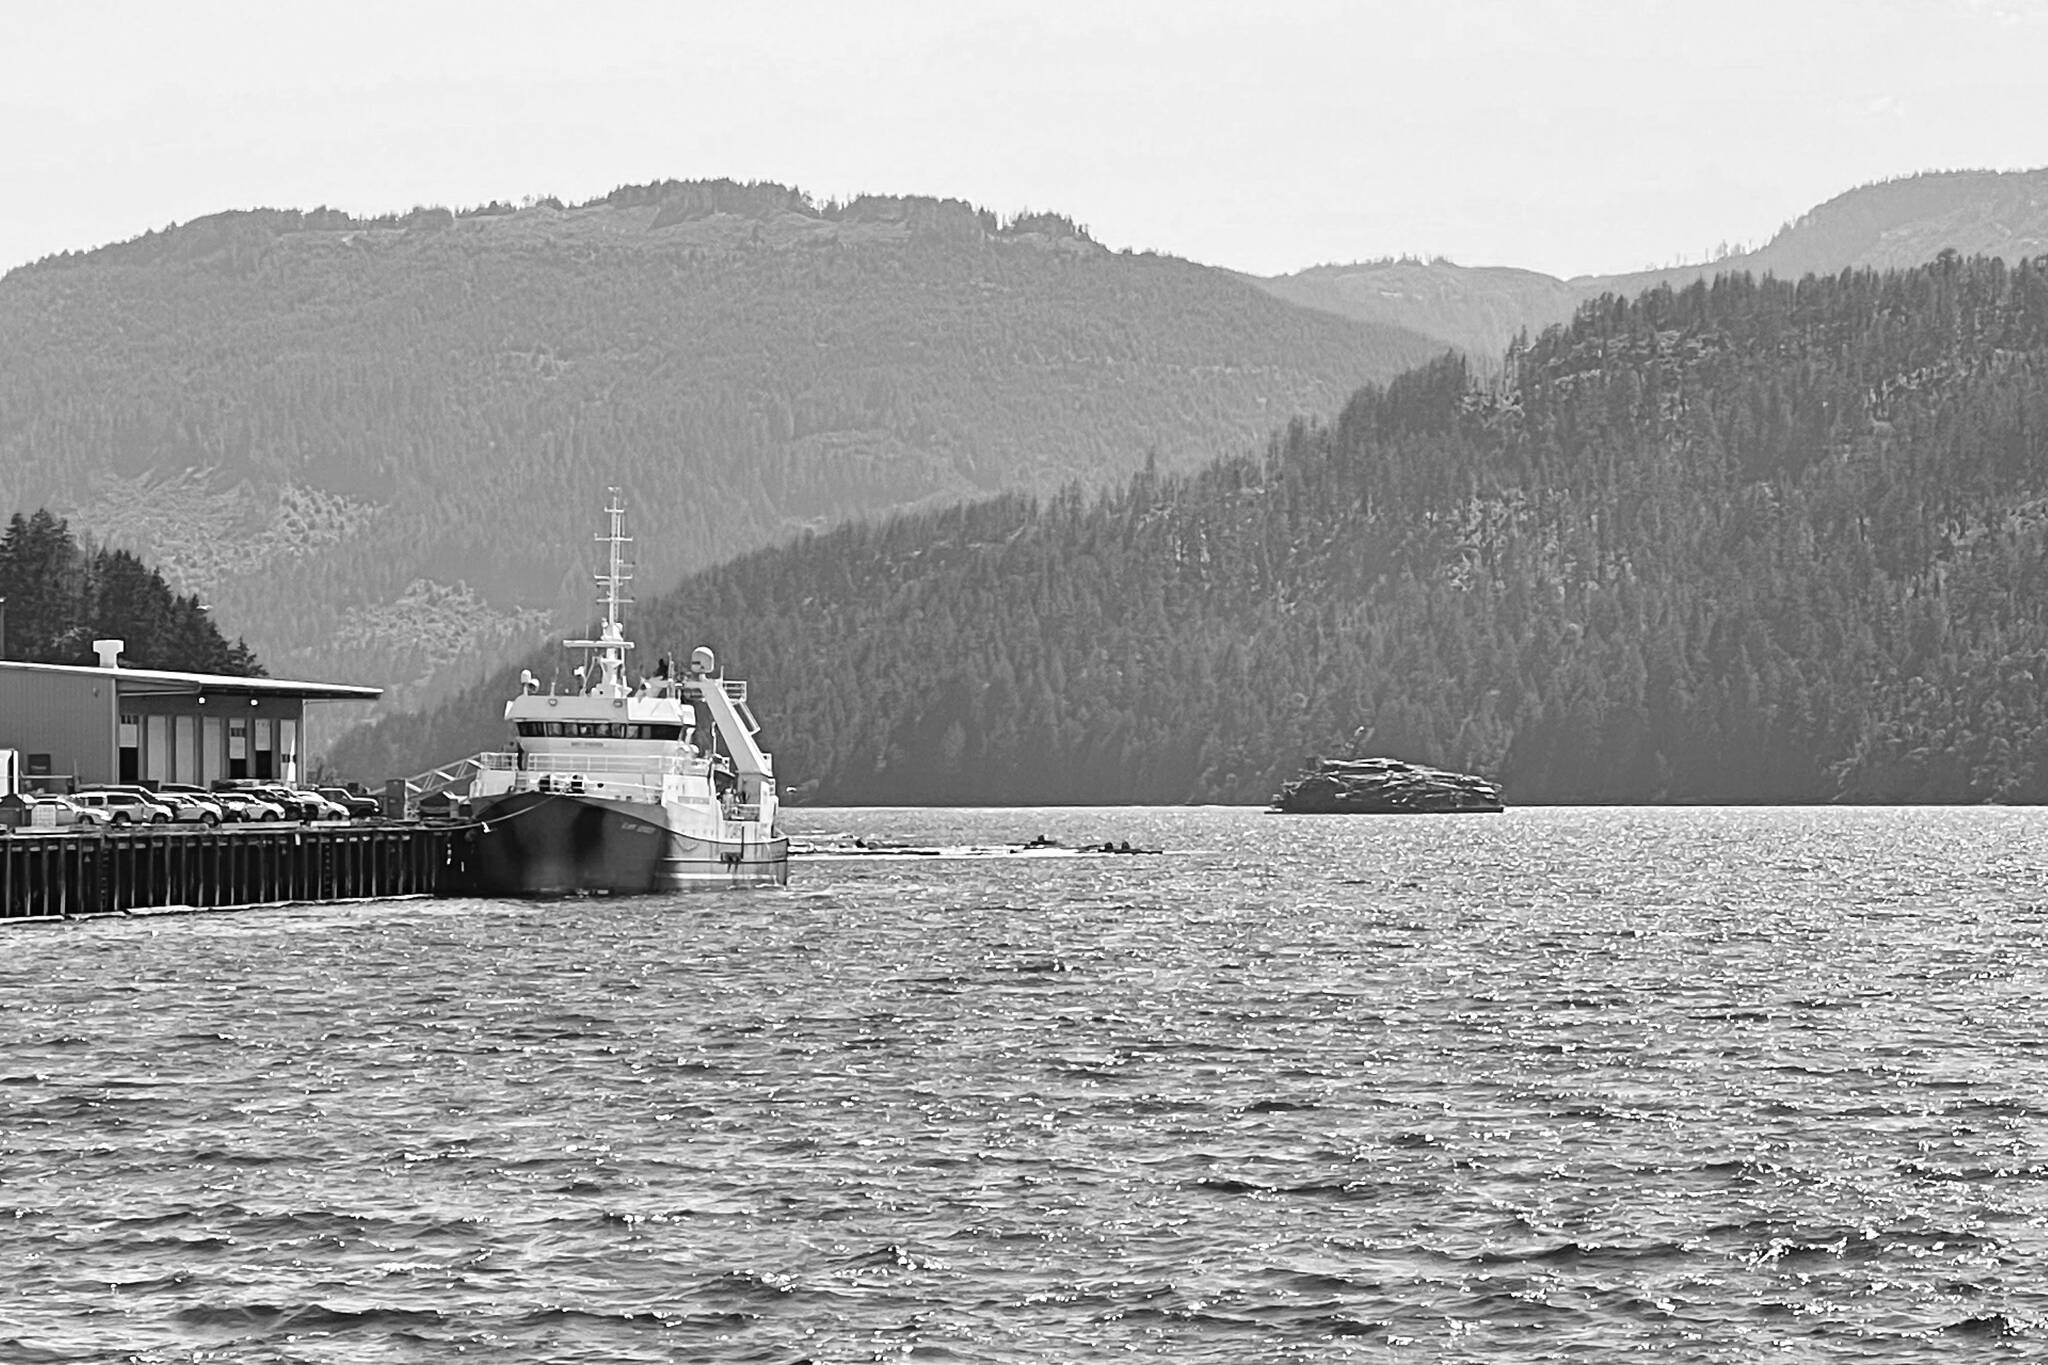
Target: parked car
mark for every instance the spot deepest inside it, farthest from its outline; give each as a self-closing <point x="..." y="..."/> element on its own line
<point x="247" y="806"/>
<point x="293" y="804"/>
<point x="123" y="808"/>
<point x="190" y="810"/>
<point x="171" y="795"/>
<point x="200" y="794"/>
<point x="359" y="807"/>
<point x="311" y="804"/>
<point x="69" y="813"/>
<point x="298" y="803"/>
<point x="132" y="788"/>
<point x="330" y="809"/>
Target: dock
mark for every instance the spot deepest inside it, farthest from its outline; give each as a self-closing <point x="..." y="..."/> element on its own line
<point x="79" y="874"/>
<point x="46" y="875"/>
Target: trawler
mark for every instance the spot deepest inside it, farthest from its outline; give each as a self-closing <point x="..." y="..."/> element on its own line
<point x="624" y="786"/>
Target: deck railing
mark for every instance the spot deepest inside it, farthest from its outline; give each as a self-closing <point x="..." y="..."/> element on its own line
<point x="586" y="764"/>
<point x="621" y="777"/>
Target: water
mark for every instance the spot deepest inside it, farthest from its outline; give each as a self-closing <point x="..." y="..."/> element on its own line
<point x="1555" y="1085"/>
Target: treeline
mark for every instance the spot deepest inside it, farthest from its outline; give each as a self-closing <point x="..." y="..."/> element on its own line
<point x="1752" y="541"/>
<point x="232" y="236"/>
<point x="58" y="596"/>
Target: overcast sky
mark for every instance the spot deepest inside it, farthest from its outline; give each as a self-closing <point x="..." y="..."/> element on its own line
<point x="1566" y="137"/>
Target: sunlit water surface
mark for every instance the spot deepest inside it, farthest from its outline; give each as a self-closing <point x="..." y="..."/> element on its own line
<point x="1715" y="1084"/>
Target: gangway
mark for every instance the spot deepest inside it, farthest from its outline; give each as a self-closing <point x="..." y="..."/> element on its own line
<point x="402" y="795"/>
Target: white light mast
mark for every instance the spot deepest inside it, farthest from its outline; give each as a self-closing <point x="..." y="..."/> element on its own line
<point x="611" y="644"/>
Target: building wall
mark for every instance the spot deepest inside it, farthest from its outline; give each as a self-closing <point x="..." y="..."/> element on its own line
<point x="179" y="738"/>
<point x="92" y="731"/>
<point x="68" y="717"/>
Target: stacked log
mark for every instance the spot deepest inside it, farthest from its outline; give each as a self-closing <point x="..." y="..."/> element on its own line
<point x="1384" y="786"/>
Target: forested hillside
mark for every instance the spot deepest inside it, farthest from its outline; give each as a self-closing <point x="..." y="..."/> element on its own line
<point x="377" y="446"/>
<point x="1753" y="540"/>
<point x="58" y="596"/>
<point x="1896" y="223"/>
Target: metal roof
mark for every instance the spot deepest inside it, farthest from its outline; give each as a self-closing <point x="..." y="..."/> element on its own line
<point x="145" y="681"/>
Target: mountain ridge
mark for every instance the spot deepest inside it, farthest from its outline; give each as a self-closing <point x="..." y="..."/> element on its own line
<point x="395" y="422"/>
<point x="367" y="440"/>
<point x="1899" y="222"/>
<point x="1752" y="540"/>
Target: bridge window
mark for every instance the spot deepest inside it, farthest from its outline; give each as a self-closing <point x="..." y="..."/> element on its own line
<point x="595" y="729"/>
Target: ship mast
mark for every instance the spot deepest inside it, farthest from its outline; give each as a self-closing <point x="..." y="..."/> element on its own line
<point x="611" y="644"/>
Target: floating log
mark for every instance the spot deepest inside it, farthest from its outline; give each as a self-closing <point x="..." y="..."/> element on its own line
<point x="1384" y="786"/>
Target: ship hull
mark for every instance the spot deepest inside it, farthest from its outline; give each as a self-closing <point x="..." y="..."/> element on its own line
<point x="541" y="844"/>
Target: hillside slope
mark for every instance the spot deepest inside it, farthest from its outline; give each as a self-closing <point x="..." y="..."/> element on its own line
<point x="1748" y="541"/>
<point x="1896" y="224"/>
<point x="374" y="446"/>
<point x="1478" y="310"/>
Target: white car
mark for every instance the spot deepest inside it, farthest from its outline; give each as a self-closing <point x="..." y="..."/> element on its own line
<point x="190" y="810"/>
<point x="123" y="808"/>
<point x="69" y="812"/>
<point x="248" y="806"/>
<point x="166" y="791"/>
<point x="330" y="809"/>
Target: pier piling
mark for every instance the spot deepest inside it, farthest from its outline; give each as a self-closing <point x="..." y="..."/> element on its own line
<point x="47" y="875"/>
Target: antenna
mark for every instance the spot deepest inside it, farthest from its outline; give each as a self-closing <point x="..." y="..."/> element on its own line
<point x="618" y="570"/>
<point x="611" y="643"/>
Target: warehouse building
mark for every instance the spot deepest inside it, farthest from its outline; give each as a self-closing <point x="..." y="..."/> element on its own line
<point x="77" y="725"/>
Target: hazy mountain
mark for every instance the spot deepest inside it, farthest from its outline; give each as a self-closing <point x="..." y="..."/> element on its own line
<point x="1899" y="223"/>
<point x="1755" y="540"/>
<point x="1478" y="310"/>
<point x="376" y="448"/>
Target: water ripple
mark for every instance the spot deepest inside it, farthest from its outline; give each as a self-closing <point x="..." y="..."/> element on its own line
<point x="1717" y="1084"/>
